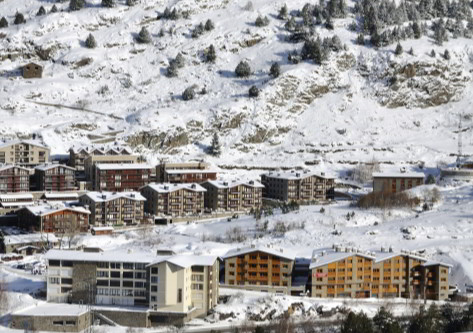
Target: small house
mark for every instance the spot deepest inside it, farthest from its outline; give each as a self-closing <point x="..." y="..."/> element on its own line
<point x="32" y="70"/>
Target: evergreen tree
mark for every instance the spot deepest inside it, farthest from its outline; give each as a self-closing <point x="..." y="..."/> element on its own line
<point x="144" y="37"/>
<point x="385" y="322"/>
<point x="215" y="147"/>
<point x="312" y="49"/>
<point x="198" y="30"/>
<point x="283" y="12"/>
<point x="130" y="3"/>
<point x="440" y="8"/>
<point x="261" y="21"/>
<point x="54" y="9"/>
<point x="275" y="70"/>
<point x="416" y="30"/>
<point x="253" y="91"/>
<point x="41" y="11"/>
<point x="76" y="5"/>
<point x="329" y="23"/>
<point x="166" y="14"/>
<point x="211" y="55"/>
<point x="375" y="39"/>
<point x="188" y="94"/>
<point x="432" y="53"/>
<point x="398" y="50"/>
<point x="108" y="3"/>
<point x="440" y="33"/>
<point x="179" y="60"/>
<point x="3" y="22"/>
<point x="357" y="323"/>
<point x="426" y="321"/>
<point x="446" y="55"/>
<point x="172" y="70"/>
<point x="19" y="19"/>
<point x="360" y="39"/>
<point x="411" y="51"/>
<point x="90" y="42"/>
<point x="2" y="243"/>
<point x="243" y="69"/>
<point x="291" y="24"/>
<point x="209" y="25"/>
<point x="174" y="14"/>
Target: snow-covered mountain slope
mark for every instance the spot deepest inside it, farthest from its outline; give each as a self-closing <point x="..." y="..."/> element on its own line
<point x="343" y="111"/>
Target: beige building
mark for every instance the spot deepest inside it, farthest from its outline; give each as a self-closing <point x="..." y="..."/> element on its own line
<point x="186" y="285"/>
<point x="298" y="186"/>
<point x="114" y="208"/>
<point x="233" y="195"/>
<point x="166" y="172"/>
<point x="173" y="199"/>
<point x="351" y="273"/>
<point x="91" y="161"/>
<point x="396" y="182"/>
<point x="77" y="155"/>
<point x="25" y="153"/>
<point x="259" y="268"/>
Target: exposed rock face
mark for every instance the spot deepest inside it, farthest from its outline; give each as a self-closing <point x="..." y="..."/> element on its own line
<point x="421" y="83"/>
<point x="159" y="141"/>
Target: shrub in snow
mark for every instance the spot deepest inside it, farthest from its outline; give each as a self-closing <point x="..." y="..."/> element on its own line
<point x="41" y="11"/>
<point x="174" y="15"/>
<point x="210" y="54"/>
<point x="248" y="6"/>
<point x="329" y="23"/>
<point x="275" y="70"/>
<point x="384" y="321"/>
<point x="179" y="60"/>
<point x="243" y="69"/>
<point x="76" y="5"/>
<point x="144" y="36"/>
<point x="130" y="2"/>
<point x="198" y="31"/>
<point x="166" y="14"/>
<point x="188" y="94"/>
<point x="19" y="19"/>
<point x="446" y="55"/>
<point x="357" y="323"/>
<point x="108" y="3"/>
<point x="90" y="42"/>
<point x="253" y="92"/>
<point x="432" y="53"/>
<point x="209" y="25"/>
<point x="54" y="9"/>
<point x="172" y="70"/>
<point x="353" y="26"/>
<point x="283" y="12"/>
<point x="398" y="50"/>
<point x="261" y="21"/>
<point x="3" y="22"/>
<point x="411" y="51"/>
<point x="430" y="179"/>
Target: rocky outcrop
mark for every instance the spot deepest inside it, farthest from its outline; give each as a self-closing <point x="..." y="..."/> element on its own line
<point x="159" y="141"/>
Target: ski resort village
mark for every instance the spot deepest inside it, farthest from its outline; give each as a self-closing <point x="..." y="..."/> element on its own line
<point x="237" y="166"/>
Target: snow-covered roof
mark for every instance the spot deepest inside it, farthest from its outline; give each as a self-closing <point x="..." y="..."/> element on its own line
<point x="122" y="166"/>
<point x="102" y="228"/>
<point x="9" y="166"/>
<point x="234" y="183"/>
<point x="16" y="204"/>
<point x="29" y="142"/>
<point x="53" y="309"/>
<point x="279" y="252"/>
<point x="398" y="175"/>
<point x="60" y="195"/>
<point x="435" y="263"/>
<point x="179" y="171"/>
<point x="385" y="255"/>
<point x="105" y="149"/>
<point x="27" y="247"/>
<point x="42" y="210"/>
<point x="166" y="188"/>
<point x="109" y="256"/>
<point x="186" y="261"/>
<point x="16" y="196"/>
<point x="325" y="257"/>
<point x="293" y="175"/>
<point x="48" y="166"/>
<point x="30" y="238"/>
<point x="108" y="196"/>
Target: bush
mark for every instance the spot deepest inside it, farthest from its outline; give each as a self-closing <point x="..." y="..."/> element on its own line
<point x="188" y="94"/>
<point x="76" y="5"/>
<point x="254" y="91"/>
<point x="41" y="11"/>
<point x="248" y="6"/>
<point x="283" y="12"/>
<point x="198" y="31"/>
<point x="360" y="39"/>
<point x="387" y="200"/>
<point x="90" y="42"/>
<point x="172" y="70"/>
<point x="179" y="60"/>
<point x="54" y="9"/>
<point x="398" y="50"/>
<point x="261" y="21"/>
<point x="215" y="147"/>
<point x="210" y="54"/>
<point x="108" y="3"/>
<point x="446" y="55"/>
<point x="3" y="22"/>
<point x="243" y="69"/>
<point x="357" y="323"/>
<point x="144" y="37"/>
<point x="432" y="53"/>
<point x="19" y="19"/>
<point x="430" y="179"/>
<point x="275" y="70"/>
<point x="130" y="3"/>
<point x="209" y="25"/>
<point x="235" y="235"/>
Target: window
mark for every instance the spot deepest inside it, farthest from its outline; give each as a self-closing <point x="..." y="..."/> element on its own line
<point x="128" y="275"/>
<point x="54" y="263"/>
<point x="115" y="274"/>
<point x="154" y="279"/>
<point x="197" y="286"/>
<point x="153" y="298"/>
<point x="127" y="265"/>
<point x="114" y="283"/>
<point x="128" y="284"/>
<point x="102" y="264"/>
<point x="115" y="265"/>
<point x="179" y="295"/>
<point x="58" y="323"/>
<point x="54" y="280"/>
<point x="67" y="264"/>
<point x="102" y="274"/>
<point x="154" y="289"/>
<point x="140" y="266"/>
<point x="102" y="283"/>
<point x="154" y="270"/>
<point x="66" y="281"/>
<point x="70" y="322"/>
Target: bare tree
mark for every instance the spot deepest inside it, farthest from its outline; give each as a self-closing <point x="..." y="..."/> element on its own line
<point x="3" y="297"/>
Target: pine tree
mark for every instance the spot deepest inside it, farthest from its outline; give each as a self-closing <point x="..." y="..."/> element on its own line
<point x="243" y="69"/>
<point x="432" y="53"/>
<point x="416" y="30"/>
<point x="179" y="60"/>
<point x="446" y="55"/>
<point x="411" y="51"/>
<point x="253" y="91"/>
<point x="430" y="179"/>
<point x="360" y="39"/>
<point x="283" y="12"/>
<point x="209" y="25"/>
<point x="108" y="3"/>
<point x="2" y="242"/>
<point x="398" y="50"/>
<point x="144" y="36"/>
<point x="130" y="3"/>
<point x="90" y="42"/>
<point x="211" y="55"/>
<point x="54" y="9"/>
<point x="385" y="322"/>
<point x="172" y="70"/>
<point x="166" y="13"/>
<point x="329" y="23"/>
<point x="174" y="14"/>
<point x="215" y="147"/>
<point x="3" y="22"/>
<point x="261" y="21"/>
<point x="312" y="50"/>
<point x="357" y="323"/>
<point x="198" y="31"/>
<point x="188" y="94"/>
<point x="275" y="70"/>
<point x="75" y="5"/>
<point x="19" y="19"/>
<point x="41" y="11"/>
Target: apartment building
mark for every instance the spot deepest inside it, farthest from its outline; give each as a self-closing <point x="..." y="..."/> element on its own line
<point x="25" y="153"/>
<point x="77" y="155"/>
<point x="54" y="178"/>
<point x="173" y="199"/>
<point x="174" y="284"/>
<point x="15" y="200"/>
<point x="114" y="208"/>
<point x="57" y="218"/>
<point x="233" y="195"/>
<point x="14" y="178"/>
<point x="259" y="268"/>
<point x="298" y="186"/>
<point x="189" y="172"/>
<point x="352" y="273"/>
<point x="91" y="161"/>
<point x="121" y="177"/>
<point x="396" y="182"/>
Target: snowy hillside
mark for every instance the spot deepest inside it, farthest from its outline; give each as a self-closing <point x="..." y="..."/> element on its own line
<point x="345" y="110"/>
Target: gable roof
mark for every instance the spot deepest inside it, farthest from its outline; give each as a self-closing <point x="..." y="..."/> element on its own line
<point x="167" y="188"/>
<point x="10" y="166"/>
<point x="186" y="261"/>
<point x="108" y="196"/>
<point x="323" y="257"/>
<point x="293" y="175"/>
<point x="268" y="250"/>
<point x="42" y="210"/>
<point x="29" y="142"/>
<point x="105" y="149"/>
<point x="122" y="166"/>
<point x="49" y="166"/>
<point x="233" y="183"/>
<point x="398" y="175"/>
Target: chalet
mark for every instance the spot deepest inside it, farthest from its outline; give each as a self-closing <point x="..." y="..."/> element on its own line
<point x="395" y="182"/>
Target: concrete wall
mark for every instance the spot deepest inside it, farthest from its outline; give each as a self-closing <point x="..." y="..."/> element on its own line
<point x="51" y="323"/>
<point x="126" y="318"/>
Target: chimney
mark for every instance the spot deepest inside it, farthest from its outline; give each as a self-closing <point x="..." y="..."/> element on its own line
<point x="194" y="186"/>
<point x="403" y="170"/>
<point x="298" y="174"/>
<point x="322" y="173"/>
<point x="252" y="182"/>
